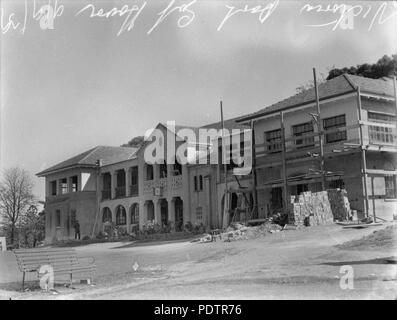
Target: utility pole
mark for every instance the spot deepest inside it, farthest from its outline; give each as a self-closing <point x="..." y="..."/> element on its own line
<point x="395" y="95"/>
<point x="363" y="154"/>
<point x="320" y="131"/>
<point x="225" y="219"/>
<point x="283" y="155"/>
<point x="254" y="177"/>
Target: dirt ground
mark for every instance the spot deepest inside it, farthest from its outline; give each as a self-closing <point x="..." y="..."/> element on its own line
<point x="293" y="264"/>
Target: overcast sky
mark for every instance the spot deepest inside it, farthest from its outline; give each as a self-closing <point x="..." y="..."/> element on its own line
<point x="80" y="85"/>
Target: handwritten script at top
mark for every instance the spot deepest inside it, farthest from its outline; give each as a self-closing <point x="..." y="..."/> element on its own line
<point x="341" y="16"/>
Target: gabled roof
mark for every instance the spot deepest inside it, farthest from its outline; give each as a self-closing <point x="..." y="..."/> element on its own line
<point x="337" y="86"/>
<point x="89" y="158"/>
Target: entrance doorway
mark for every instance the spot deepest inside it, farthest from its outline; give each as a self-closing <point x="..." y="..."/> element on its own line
<point x="178" y="214"/>
<point x="164" y="212"/>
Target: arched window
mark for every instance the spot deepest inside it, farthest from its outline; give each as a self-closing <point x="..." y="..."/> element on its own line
<point x="150" y="210"/>
<point x="121" y="217"/>
<point x="107" y="215"/>
<point x="135" y="213"/>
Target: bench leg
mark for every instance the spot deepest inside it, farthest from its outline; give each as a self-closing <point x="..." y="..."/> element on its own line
<point x="92" y="277"/>
<point x="23" y="281"/>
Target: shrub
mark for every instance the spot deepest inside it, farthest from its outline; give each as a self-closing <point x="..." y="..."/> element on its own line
<point x="101" y="235"/>
<point x="189" y="226"/>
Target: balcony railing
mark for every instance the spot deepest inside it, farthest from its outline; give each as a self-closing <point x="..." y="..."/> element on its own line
<point x="134" y="190"/>
<point x="120" y="192"/>
<point x="345" y="139"/>
<point x="106" y="194"/>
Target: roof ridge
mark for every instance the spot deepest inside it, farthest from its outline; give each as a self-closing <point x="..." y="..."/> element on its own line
<point x="89" y="153"/>
<point x="350" y="81"/>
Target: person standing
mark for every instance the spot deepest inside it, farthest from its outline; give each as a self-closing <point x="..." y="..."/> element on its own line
<point x="77" y="230"/>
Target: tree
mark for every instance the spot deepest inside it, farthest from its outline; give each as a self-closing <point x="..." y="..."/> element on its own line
<point x="384" y="67"/>
<point x="16" y="197"/>
<point x="32" y="227"/>
<point x="135" y="142"/>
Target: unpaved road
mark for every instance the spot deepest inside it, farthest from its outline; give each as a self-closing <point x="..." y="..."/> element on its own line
<point x="296" y="264"/>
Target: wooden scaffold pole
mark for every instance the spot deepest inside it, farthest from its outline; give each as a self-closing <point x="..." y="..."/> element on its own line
<point x="320" y="131"/>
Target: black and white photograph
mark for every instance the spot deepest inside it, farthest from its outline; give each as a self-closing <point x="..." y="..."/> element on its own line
<point x="198" y="150"/>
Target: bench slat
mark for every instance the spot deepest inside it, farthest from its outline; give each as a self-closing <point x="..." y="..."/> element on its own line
<point x="63" y="260"/>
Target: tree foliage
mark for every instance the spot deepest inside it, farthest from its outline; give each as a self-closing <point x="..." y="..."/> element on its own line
<point x="384" y="67"/>
<point x="135" y="142"/>
<point x="31" y="227"/>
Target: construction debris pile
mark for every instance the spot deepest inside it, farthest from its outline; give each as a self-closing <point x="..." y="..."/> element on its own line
<point x="318" y="208"/>
<point x="340" y="205"/>
<point x="310" y="209"/>
<point x="238" y="231"/>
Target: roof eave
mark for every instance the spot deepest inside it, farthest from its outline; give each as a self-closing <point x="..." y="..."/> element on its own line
<point x="264" y="113"/>
<point x="74" y="166"/>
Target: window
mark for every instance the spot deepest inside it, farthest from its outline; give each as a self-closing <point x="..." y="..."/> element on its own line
<point x="273" y="139"/>
<point x="135" y="213"/>
<point x="337" y="184"/>
<point x="107" y="215"/>
<point x="198" y="183"/>
<point x="74" y="184"/>
<point x="300" y="188"/>
<point x="381" y="117"/>
<point x="150" y="210"/>
<point x="199" y="214"/>
<point x="302" y="130"/>
<point x="53" y="188"/>
<point x="121" y="217"/>
<point x="134" y="189"/>
<point x="57" y="218"/>
<point x="334" y="123"/>
<point x="64" y="186"/>
<point x="381" y="134"/>
<point x="134" y="176"/>
<point x="149" y="172"/>
<point x="390" y="187"/>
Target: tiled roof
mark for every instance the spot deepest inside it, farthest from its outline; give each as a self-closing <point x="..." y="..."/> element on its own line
<point x="382" y="86"/>
<point x="89" y="158"/>
<point x="339" y="85"/>
<point x="228" y="124"/>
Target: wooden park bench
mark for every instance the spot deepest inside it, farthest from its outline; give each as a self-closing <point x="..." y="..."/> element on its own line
<point x="64" y="261"/>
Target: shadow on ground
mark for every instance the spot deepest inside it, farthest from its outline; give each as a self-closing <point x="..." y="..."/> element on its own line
<point x="144" y="243"/>
<point x="387" y="260"/>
